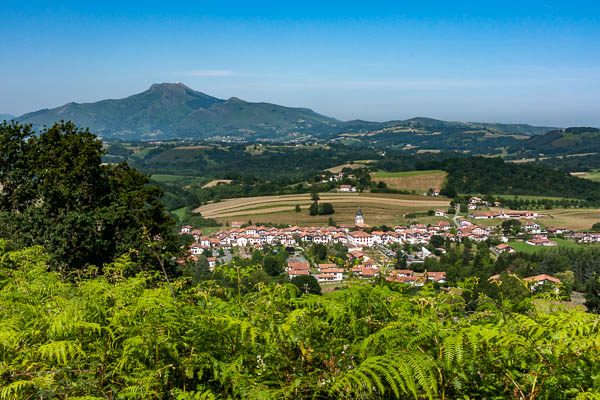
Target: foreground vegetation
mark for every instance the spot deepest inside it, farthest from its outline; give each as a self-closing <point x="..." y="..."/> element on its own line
<point x="120" y="336"/>
<point x="94" y="303"/>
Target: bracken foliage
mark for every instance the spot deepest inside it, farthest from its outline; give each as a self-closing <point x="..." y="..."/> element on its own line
<point x="121" y="337"/>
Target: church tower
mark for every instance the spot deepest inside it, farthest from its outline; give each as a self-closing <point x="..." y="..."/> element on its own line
<point x="358" y="219"/>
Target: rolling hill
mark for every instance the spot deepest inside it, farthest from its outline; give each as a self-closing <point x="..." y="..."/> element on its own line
<point x="173" y="110"/>
<point x="6" y="117"/>
<point x="574" y="140"/>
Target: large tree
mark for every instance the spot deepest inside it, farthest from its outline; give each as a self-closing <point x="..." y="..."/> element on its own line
<point x="57" y="193"/>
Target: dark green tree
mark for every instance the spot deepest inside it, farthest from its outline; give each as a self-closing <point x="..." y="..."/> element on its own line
<point x="326" y="209"/>
<point x="307" y="284"/>
<point x="58" y="194"/>
<point x="592" y="294"/>
<point x="437" y="241"/>
<point x="273" y="265"/>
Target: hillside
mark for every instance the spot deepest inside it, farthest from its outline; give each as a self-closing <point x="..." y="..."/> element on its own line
<point x="574" y="140"/>
<point x="173" y="110"/>
<point x="494" y="176"/>
<point x="169" y="110"/>
<point x="426" y="134"/>
<point x="6" y="117"/>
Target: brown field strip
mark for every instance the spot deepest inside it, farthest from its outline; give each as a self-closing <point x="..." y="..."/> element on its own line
<point x="216" y="182"/>
<point x="339" y="168"/>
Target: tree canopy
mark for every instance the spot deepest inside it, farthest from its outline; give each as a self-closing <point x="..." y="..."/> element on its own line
<point x="56" y="192"/>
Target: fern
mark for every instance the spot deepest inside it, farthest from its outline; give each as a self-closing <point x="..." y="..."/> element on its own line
<point x="61" y="351"/>
<point x="16" y="390"/>
<point x="404" y="373"/>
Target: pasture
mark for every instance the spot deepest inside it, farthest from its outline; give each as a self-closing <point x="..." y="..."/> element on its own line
<point x="527" y="248"/>
<point x="412" y="180"/>
<point x="377" y="209"/>
<point x="573" y="218"/>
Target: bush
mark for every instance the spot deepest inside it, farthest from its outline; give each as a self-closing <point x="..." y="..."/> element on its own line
<point x="326" y="209"/>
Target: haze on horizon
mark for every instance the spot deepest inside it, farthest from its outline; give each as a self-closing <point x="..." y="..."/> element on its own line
<point x="536" y="63"/>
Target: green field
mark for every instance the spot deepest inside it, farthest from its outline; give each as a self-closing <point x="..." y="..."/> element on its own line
<point x="180" y="212"/>
<point x="522" y="197"/>
<point x="168" y="178"/>
<point x="164" y="178"/>
<point x="383" y="174"/>
<point x="527" y="248"/>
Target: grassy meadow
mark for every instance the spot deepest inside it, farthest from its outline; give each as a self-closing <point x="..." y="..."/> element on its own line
<point x="412" y="180"/>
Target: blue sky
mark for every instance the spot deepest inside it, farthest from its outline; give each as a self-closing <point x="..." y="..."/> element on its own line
<point x="503" y="61"/>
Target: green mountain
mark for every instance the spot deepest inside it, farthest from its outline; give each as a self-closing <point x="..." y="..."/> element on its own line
<point x="170" y="110"/>
<point x="576" y="140"/>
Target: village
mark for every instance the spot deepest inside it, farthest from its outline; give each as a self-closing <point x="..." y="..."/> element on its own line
<point x="369" y="251"/>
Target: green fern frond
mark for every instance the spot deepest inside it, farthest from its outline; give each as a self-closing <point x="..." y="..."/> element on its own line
<point x="15" y="390"/>
<point x="406" y="373"/>
<point x="61" y="351"/>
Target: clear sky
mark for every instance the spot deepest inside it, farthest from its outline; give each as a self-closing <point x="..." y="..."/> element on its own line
<point x="504" y="61"/>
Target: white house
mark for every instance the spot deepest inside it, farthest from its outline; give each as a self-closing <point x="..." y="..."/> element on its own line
<point x="346" y="188"/>
<point x="360" y="238"/>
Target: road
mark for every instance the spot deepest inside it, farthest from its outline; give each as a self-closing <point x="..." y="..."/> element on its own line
<point x="456" y="216"/>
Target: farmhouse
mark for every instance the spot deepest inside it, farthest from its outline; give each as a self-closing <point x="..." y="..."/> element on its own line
<point x="486" y="215"/>
<point x="543" y="278"/>
<point x="440" y="213"/>
<point x="331" y="275"/>
<point x="297" y="272"/>
<point x="346" y="188"/>
<point x="297" y="266"/>
<point x="541" y="240"/>
<point x="212" y="262"/>
<point x="531" y="227"/>
<point x="503" y="248"/>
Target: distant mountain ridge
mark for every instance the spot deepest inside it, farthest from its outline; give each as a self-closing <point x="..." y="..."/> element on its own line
<point x="173" y="110"/>
<point x="6" y="117"/>
<point x="575" y="140"/>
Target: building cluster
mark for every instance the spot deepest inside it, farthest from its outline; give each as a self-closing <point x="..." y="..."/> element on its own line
<point x="587" y="237"/>
<point x="541" y="240"/>
<point x="368" y="269"/>
<point x="352" y="236"/>
<point x="505" y="214"/>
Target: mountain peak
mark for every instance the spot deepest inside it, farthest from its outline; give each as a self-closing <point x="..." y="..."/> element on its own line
<point x="169" y="86"/>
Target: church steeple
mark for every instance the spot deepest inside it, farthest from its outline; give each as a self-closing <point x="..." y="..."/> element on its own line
<point x="358" y="219"/>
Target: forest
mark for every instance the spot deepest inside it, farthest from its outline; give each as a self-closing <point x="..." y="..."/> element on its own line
<point x="495" y="176"/>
